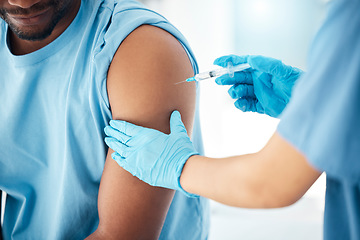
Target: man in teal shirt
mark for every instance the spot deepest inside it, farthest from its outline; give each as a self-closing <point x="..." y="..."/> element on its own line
<point x="66" y="68"/>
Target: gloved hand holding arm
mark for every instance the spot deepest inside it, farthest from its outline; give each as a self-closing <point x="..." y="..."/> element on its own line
<point x="276" y="176"/>
<point x="265" y="88"/>
<point x="150" y="155"/>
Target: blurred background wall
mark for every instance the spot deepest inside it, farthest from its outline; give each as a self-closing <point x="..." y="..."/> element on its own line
<point x="281" y="29"/>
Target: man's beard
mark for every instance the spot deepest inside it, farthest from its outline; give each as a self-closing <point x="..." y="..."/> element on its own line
<point x="57" y="6"/>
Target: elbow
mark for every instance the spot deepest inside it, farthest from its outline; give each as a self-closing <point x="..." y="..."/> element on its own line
<point x="279" y="202"/>
<point x="266" y="196"/>
<point x="263" y="197"/>
<point x="277" y="198"/>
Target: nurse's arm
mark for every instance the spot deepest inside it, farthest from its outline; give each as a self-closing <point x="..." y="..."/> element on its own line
<point x="141" y="90"/>
<point x="276" y="176"/>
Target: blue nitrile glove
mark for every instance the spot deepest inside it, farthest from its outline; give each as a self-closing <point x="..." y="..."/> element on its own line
<point x="264" y="88"/>
<point x="150" y="155"/>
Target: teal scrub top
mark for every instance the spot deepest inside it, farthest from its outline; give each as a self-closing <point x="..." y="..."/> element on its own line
<point x="53" y="109"/>
<point x="322" y="119"/>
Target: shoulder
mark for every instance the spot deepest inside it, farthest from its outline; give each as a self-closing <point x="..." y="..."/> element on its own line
<point x="142" y="77"/>
<point x="151" y="45"/>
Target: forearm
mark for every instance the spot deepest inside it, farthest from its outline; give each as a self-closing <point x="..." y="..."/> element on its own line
<point x="231" y="181"/>
<point x="277" y="176"/>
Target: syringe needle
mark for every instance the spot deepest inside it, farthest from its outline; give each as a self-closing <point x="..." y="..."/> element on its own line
<point x="179" y="82"/>
<point x="187" y="80"/>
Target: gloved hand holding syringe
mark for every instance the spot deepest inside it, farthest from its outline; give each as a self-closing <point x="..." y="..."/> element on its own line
<point x="230" y="69"/>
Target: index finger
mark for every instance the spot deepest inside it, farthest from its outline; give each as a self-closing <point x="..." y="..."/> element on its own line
<point x="125" y="127"/>
<point x="234" y="59"/>
<point x="243" y="77"/>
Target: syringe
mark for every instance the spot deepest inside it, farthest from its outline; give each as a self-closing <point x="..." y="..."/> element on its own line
<point x="230" y="69"/>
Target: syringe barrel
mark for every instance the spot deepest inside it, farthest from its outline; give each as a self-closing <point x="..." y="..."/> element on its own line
<point x="221" y="71"/>
<point x="210" y="74"/>
<point x="241" y="67"/>
<point x="237" y="68"/>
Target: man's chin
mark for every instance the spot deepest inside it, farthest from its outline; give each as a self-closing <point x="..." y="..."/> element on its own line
<point x="30" y="34"/>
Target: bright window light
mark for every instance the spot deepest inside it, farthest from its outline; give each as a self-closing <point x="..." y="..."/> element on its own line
<point x="261" y="8"/>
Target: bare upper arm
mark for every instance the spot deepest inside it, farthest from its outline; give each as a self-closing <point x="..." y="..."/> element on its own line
<point x="141" y="90"/>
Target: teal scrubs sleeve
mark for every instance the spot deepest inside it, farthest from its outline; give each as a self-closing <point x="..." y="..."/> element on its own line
<point x="322" y="119"/>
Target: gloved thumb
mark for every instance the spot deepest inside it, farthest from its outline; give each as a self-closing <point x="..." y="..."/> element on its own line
<point x="176" y="125"/>
<point x="234" y="59"/>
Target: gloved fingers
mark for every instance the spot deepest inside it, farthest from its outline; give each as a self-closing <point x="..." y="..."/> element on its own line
<point x="122" y="162"/>
<point x="234" y="59"/>
<point x="118" y="158"/>
<point x="176" y="125"/>
<point x="249" y="105"/>
<point x="242" y="91"/>
<point x="239" y="77"/>
<point x="269" y="65"/>
<point x="120" y="148"/>
<point x="120" y="136"/>
<point x="259" y="107"/>
<point x="125" y="127"/>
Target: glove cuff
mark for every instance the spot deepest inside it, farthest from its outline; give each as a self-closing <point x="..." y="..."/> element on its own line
<point x="179" y="171"/>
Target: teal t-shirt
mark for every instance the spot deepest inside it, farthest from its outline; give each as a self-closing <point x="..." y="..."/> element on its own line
<point x="323" y="116"/>
<point x="53" y="109"/>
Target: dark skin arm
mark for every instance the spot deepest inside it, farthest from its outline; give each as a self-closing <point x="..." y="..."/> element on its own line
<point x="141" y="90"/>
